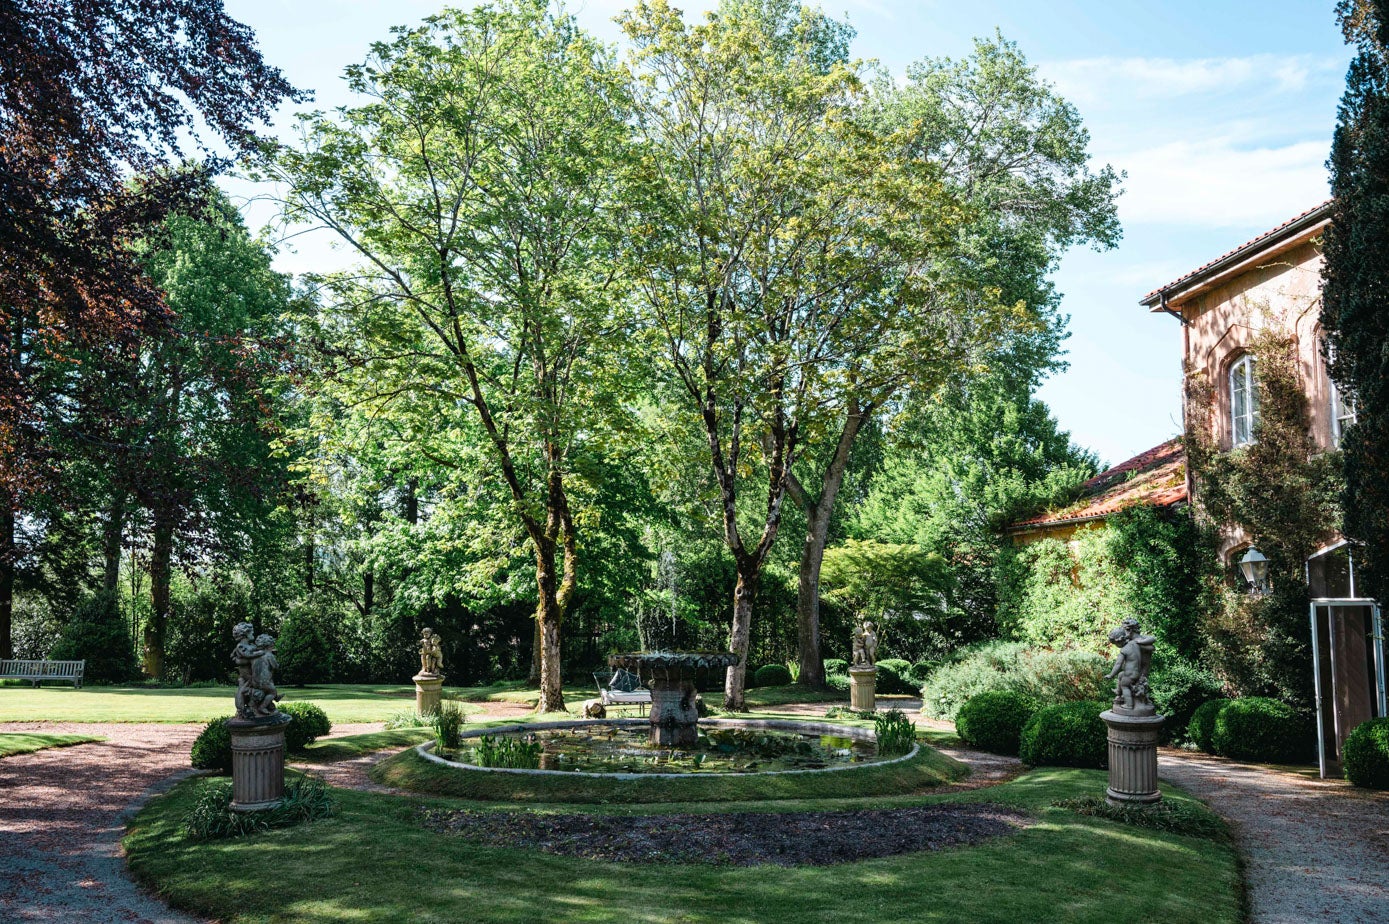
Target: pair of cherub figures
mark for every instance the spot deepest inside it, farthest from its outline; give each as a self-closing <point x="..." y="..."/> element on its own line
<point x="1131" y="668"/>
<point x="254" y="657"/>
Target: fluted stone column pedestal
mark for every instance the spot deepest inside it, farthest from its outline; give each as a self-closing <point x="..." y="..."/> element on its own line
<point x="258" y="761"/>
<point x="1133" y="741"/>
<point x="863" y="689"/>
<point x="428" y="692"/>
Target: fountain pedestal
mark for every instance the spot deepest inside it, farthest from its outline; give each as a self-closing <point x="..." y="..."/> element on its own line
<point x="671" y="676"/>
<point x="428" y="692"/>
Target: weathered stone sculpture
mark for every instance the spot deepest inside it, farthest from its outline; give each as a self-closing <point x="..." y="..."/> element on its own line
<point x="674" y="702"/>
<point x="429" y="682"/>
<point x="258" y="729"/>
<point x="863" y="672"/>
<point x="1134" y="725"/>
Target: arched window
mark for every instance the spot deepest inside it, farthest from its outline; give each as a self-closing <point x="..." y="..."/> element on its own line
<point x="1342" y="405"/>
<point x="1244" y="401"/>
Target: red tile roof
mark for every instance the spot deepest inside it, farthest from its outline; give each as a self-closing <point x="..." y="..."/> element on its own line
<point x="1308" y="218"/>
<point x="1156" y="477"/>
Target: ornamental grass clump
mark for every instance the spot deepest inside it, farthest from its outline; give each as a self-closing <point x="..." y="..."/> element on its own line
<point x="212" y="818"/>
<point x="510" y="753"/>
<point x="1260" y="729"/>
<point x="994" y="721"/>
<point x="1066" y="735"/>
<point x="1366" y="754"/>
<point x="896" y="733"/>
<point x="448" y="725"/>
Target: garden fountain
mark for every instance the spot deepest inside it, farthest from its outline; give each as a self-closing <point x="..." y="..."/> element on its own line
<point x="672" y="675"/>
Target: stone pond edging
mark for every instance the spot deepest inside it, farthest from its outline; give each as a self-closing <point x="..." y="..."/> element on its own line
<point x="426" y="750"/>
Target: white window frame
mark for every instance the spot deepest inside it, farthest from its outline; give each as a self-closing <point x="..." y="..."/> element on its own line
<point x="1342" y="406"/>
<point x="1241" y="380"/>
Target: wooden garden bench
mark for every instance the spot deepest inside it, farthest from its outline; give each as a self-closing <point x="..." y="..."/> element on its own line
<point x="37" y="671"/>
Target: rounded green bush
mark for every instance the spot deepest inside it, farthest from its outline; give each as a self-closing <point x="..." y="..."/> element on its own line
<point x="902" y="666"/>
<point x="892" y="682"/>
<point x="1201" y="728"/>
<point x="772" y="675"/>
<point x="836" y="666"/>
<point x="1178" y="688"/>
<point x="1261" y="729"/>
<point x="310" y="723"/>
<point x="920" y="671"/>
<point x="994" y="721"/>
<point x="1366" y="754"/>
<point x="212" y="748"/>
<point x="1066" y="735"/>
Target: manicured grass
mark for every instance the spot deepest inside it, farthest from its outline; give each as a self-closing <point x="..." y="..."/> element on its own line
<point x="22" y="743"/>
<point x="408" y="770"/>
<point x="334" y="749"/>
<point x="375" y="862"/>
<point x="342" y="702"/>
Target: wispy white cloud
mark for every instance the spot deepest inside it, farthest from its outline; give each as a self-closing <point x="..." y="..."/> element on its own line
<point x="1114" y="79"/>
<point x="1217" y="183"/>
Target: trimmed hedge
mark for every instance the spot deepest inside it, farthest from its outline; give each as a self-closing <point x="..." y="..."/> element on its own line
<point x="1366" y="754"/>
<point x="212" y="748"/>
<point x="1201" y="729"/>
<point x="994" y="721"/>
<point x="920" y="671"/>
<point x="1066" y="735"/>
<point x="772" y="675"/>
<point x="310" y="723"/>
<point x="1260" y="729"/>
<point x="1179" y="687"/>
<point x="891" y="679"/>
<point x="836" y="666"/>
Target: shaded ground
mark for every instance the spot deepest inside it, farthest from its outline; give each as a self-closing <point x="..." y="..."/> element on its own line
<point x="1316" y="850"/>
<point x="62" y="813"/>
<point x="737" y="838"/>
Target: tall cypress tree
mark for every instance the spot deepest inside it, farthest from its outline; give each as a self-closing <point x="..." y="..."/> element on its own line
<point x="1355" y="294"/>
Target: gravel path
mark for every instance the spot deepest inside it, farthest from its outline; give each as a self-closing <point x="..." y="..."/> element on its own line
<point x="1316" y="850"/>
<point x="62" y="814"/>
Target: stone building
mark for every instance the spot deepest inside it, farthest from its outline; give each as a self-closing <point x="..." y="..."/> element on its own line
<point x="1274" y="282"/>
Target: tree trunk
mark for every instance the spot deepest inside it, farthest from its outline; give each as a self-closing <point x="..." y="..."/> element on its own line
<point x="735" y="681"/>
<point x="7" y="563"/>
<point x="112" y="534"/>
<point x="808" y="601"/>
<point x="547" y="619"/>
<point x="537" y="646"/>
<point x="161" y="594"/>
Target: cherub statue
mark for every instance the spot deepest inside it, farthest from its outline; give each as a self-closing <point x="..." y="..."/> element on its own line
<point x="242" y="656"/>
<point x="1131" y="668"/>
<point x="866" y="646"/>
<point x="431" y="654"/>
<point x="264" y="694"/>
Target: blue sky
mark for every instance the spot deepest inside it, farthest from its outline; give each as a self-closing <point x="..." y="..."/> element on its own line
<point x="1220" y="112"/>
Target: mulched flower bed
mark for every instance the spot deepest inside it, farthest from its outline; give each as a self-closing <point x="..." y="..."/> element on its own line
<point x="737" y="838"/>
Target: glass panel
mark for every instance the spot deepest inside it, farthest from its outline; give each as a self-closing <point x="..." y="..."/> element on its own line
<point x="1329" y="574"/>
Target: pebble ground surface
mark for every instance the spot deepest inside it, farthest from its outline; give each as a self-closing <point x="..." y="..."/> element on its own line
<point x="1316" y="850"/>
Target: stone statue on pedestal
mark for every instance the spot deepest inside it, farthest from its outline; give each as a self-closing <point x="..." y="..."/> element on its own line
<point x="258" y="729"/>
<point x="1131" y="694"/>
<point x="254" y="657"/>
<point x="865" y="646"/>
<point x="431" y="655"/>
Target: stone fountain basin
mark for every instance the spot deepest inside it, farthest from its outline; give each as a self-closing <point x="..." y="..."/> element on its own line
<point x="426" y="750"/>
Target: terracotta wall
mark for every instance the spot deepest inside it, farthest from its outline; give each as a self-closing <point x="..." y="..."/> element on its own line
<point x="1283" y="293"/>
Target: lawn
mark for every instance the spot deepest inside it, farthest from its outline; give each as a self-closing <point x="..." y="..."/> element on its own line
<point x="342" y="702"/>
<point x="374" y="861"/>
<point x="23" y="743"/>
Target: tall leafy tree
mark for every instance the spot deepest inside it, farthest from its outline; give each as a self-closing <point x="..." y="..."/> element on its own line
<point x="1355" y="307"/>
<point x="778" y="241"/>
<point x="1016" y="155"/>
<point x="90" y="91"/>
<point x="478" y="187"/>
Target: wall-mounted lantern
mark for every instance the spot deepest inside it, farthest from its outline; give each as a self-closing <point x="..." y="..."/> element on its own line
<point x="1254" y="567"/>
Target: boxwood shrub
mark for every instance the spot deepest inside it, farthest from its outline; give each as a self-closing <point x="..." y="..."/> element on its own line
<point x="212" y="748"/>
<point x="1200" y="731"/>
<point x="772" y="675"/>
<point x="836" y="666"/>
<point x="1366" y="754"/>
<point x="1178" y="688"/>
<point x="892" y="677"/>
<point x="1261" y="729"/>
<point x="310" y="723"/>
<point x="1066" y="735"/>
<point x="994" y="721"/>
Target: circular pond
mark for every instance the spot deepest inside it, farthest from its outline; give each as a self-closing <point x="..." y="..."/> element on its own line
<point x="623" y="748"/>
